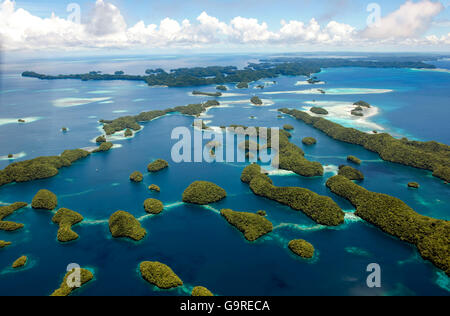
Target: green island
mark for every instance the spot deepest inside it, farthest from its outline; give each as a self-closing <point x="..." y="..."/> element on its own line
<point x="203" y="192"/>
<point x="105" y="146"/>
<point x="44" y="200"/>
<point x="66" y="218"/>
<point x="201" y="291"/>
<point x="357" y="111"/>
<point x="321" y="209"/>
<point x="41" y="167"/>
<point x="242" y="85"/>
<point x="354" y="159"/>
<point x="308" y="141"/>
<point x="155" y="188"/>
<point x="19" y="263"/>
<point x="350" y="173"/>
<point x="4" y="244"/>
<point x="64" y="129"/>
<point x="153" y="206"/>
<point x="267" y="68"/>
<point x="65" y="289"/>
<point x="301" y="248"/>
<point x="262" y="213"/>
<point x="123" y="224"/>
<point x="252" y="225"/>
<point x="430" y="236"/>
<point x="288" y="127"/>
<point x="362" y="104"/>
<point x="318" y="110"/>
<point x="159" y="275"/>
<point x="157" y="165"/>
<point x="430" y="155"/>
<point x="8" y="210"/>
<point x="222" y="88"/>
<point x="413" y="185"/>
<point x="256" y="100"/>
<point x="208" y="94"/>
<point x="136" y="176"/>
<point x="128" y="133"/>
<point x="100" y="139"/>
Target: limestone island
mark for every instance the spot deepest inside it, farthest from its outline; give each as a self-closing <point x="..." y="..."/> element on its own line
<point x="350" y="173"/>
<point x="136" y="176"/>
<point x="288" y="127"/>
<point x="242" y="85"/>
<point x="105" y="146"/>
<point x="222" y="88"/>
<point x="203" y="192"/>
<point x="159" y="275"/>
<point x="308" y="141"/>
<point x="123" y="224"/>
<point x="394" y="217"/>
<point x="430" y="155"/>
<point x="65" y="289"/>
<point x="4" y="244"/>
<point x="208" y="94"/>
<point x="157" y="165"/>
<point x="354" y="159"/>
<point x="128" y="133"/>
<point x="252" y="225"/>
<point x="201" y="291"/>
<point x="41" y="167"/>
<point x="362" y="104"/>
<point x="302" y="248"/>
<point x="256" y="100"/>
<point x="155" y="188"/>
<point x="261" y="213"/>
<point x="19" y="263"/>
<point x="153" y="206"/>
<point x="64" y="129"/>
<point x="100" y="139"/>
<point x="66" y="218"/>
<point x="357" y="111"/>
<point x="8" y="210"/>
<point x="45" y="200"/>
<point x="318" y="110"/>
<point x="321" y="209"/>
<point x="413" y="185"/>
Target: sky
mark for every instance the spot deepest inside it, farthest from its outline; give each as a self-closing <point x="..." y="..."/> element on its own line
<point x="224" y="26"/>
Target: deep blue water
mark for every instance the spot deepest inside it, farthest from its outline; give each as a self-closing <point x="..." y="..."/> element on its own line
<point x="199" y="245"/>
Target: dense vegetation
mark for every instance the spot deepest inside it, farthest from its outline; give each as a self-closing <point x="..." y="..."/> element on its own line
<point x="123" y="224"/>
<point x="252" y="225"/>
<point x="159" y="275"/>
<point x="256" y="100"/>
<point x="354" y="159"/>
<point x="8" y="210"/>
<point x="308" y="141"/>
<point x="362" y="104"/>
<point x="66" y="218"/>
<point x="157" y="165"/>
<point x="431" y="155"/>
<point x="4" y="244"/>
<point x="288" y="127"/>
<point x="106" y="146"/>
<point x="393" y="216"/>
<point x="301" y="248"/>
<point x="65" y="289"/>
<point x="208" y="94"/>
<point x="413" y="185"/>
<point x="242" y="85"/>
<point x="20" y="262"/>
<point x="136" y="176"/>
<point x="318" y="110"/>
<point x="153" y="206"/>
<point x="322" y="209"/>
<point x="201" y="291"/>
<point x="40" y="168"/>
<point x="155" y="188"/>
<point x="222" y="88"/>
<point x="350" y="173"/>
<point x="203" y="192"/>
<point x="45" y="200"/>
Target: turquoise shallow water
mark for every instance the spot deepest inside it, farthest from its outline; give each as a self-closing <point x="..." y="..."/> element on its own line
<point x="200" y="246"/>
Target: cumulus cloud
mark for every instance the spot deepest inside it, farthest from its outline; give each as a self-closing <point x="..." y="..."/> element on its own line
<point x="107" y="28"/>
<point x="412" y="19"/>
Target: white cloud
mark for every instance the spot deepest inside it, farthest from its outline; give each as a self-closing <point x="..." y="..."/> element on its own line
<point x="412" y="19"/>
<point x="20" y="30"/>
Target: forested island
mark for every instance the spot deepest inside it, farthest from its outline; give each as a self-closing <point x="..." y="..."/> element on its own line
<point x="219" y="75"/>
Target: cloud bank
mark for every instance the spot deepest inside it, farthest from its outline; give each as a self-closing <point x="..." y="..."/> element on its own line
<point x="107" y="28"/>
